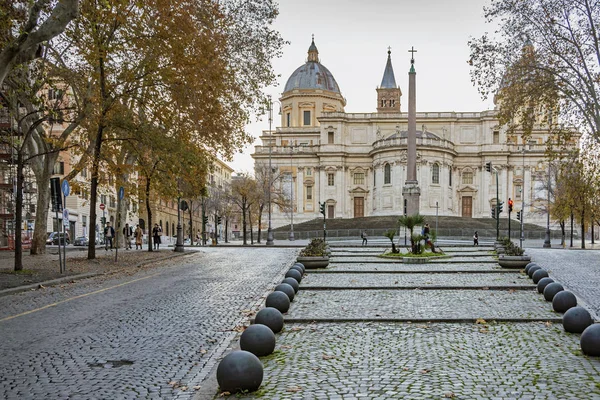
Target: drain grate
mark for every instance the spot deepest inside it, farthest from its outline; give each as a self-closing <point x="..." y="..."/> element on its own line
<point x="111" y="364"/>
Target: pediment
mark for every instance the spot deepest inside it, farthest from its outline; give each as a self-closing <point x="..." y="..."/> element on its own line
<point x="468" y="188"/>
<point x="358" y="190"/>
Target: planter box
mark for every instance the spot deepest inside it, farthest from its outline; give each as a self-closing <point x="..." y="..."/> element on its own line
<point x="313" y="262"/>
<point x="514" y="261"/>
<point x="415" y="260"/>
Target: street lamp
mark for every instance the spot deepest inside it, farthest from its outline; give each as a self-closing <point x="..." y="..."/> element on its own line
<point x="179" y="243"/>
<point x="547" y="243"/>
<point x="522" y="236"/>
<point x="292" y="190"/>
<point x="270" y="230"/>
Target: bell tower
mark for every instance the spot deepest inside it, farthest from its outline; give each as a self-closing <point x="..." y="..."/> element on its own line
<point x="388" y="93"/>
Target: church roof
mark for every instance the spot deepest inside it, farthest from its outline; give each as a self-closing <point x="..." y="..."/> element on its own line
<point x="312" y="75"/>
<point x="420" y="134"/>
<point x="388" y="81"/>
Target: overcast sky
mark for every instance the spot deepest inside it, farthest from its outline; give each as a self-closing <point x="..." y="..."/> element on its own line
<point x="353" y="37"/>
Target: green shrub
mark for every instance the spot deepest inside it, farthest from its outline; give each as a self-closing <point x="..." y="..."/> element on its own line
<point x="316" y="248"/>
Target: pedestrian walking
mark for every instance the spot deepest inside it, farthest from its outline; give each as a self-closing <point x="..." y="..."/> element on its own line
<point x="127" y="234"/>
<point x="363" y="235"/>
<point x="475" y="239"/>
<point x="109" y="234"/>
<point x="139" y="235"/>
<point x="156" y="232"/>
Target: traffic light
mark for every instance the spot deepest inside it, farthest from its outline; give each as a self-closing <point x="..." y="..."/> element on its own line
<point x="518" y="215"/>
<point x="205" y="219"/>
<point x="322" y="207"/>
<point x="510" y="205"/>
<point x="488" y="166"/>
<point x="218" y="220"/>
<point x="103" y="221"/>
<point x="500" y="207"/>
<point x="494" y="212"/>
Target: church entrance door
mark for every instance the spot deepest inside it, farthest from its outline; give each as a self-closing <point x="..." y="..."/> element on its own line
<point x="467" y="206"/>
<point x="330" y="212"/>
<point x="359" y="207"/>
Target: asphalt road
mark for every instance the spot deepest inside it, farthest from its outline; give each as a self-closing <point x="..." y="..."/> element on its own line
<point x="153" y="334"/>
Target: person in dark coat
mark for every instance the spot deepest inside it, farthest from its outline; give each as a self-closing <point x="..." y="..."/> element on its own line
<point x="109" y="234"/>
<point x="156" y="233"/>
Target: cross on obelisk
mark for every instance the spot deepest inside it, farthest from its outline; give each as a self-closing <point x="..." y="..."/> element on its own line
<point x="411" y="191"/>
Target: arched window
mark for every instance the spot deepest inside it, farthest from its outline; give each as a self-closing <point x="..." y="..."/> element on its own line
<point x="435" y="173"/>
<point x="467" y="178"/>
<point x="167" y="229"/>
<point x="387" y="174"/>
<point x="173" y="229"/>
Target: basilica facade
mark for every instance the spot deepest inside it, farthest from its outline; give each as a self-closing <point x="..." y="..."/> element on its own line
<point x="356" y="163"/>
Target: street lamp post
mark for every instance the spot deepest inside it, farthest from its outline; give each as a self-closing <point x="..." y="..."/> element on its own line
<point x="547" y="243"/>
<point x="291" y="191"/>
<point x="522" y="236"/>
<point x="179" y="243"/>
<point x="270" y="229"/>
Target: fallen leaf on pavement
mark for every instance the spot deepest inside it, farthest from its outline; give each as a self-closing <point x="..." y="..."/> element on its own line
<point x="328" y="357"/>
<point x="449" y="395"/>
<point x="480" y="321"/>
<point x="223" y="394"/>
<point x="294" y="389"/>
<point x="196" y="387"/>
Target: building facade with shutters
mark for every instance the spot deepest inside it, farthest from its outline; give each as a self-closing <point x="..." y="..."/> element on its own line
<point x="356" y="162"/>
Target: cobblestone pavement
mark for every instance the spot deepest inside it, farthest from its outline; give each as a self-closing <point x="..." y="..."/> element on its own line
<point x="576" y="270"/>
<point x="400" y="267"/>
<point x="420" y="304"/>
<point x="376" y="343"/>
<point x="428" y="361"/>
<point x="350" y="280"/>
<point x="153" y="334"/>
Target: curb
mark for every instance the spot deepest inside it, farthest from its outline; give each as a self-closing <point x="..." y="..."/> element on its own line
<point x="432" y="287"/>
<point x="418" y="320"/>
<point x="58" y="281"/>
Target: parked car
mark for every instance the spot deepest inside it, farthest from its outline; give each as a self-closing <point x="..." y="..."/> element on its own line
<point x="81" y="241"/>
<point x="54" y="237"/>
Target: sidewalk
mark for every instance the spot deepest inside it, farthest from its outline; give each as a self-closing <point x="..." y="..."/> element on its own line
<point x="45" y="269"/>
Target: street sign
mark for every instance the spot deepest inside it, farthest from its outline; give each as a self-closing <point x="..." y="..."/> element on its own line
<point x="121" y="193"/>
<point x="65" y="217"/>
<point x="102" y="206"/>
<point x="66" y="189"/>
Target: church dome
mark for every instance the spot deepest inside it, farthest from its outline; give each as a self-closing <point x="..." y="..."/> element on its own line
<point x="312" y="75"/>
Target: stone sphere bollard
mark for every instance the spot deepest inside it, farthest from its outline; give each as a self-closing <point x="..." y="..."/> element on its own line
<point x="538" y="275"/>
<point x="278" y="300"/>
<point x="590" y="340"/>
<point x="551" y="289"/>
<point x="533" y="269"/>
<point x="293" y="283"/>
<point x="301" y="266"/>
<point x="258" y="339"/>
<point x="531" y="264"/>
<point x="294" y="273"/>
<point x="287" y="289"/>
<point x="270" y="317"/>
<point x="543" y="283"/>
<point x="563" y="300"/>
<point x="239" y="371"/>
<point x="576" y="319"/>
<point x="298" y="268"/>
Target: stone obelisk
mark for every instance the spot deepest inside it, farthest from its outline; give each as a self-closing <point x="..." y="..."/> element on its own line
<point x="411" y="190"/>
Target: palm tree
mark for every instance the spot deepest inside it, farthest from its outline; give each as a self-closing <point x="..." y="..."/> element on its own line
<point x="410" y="221"/>
<point x="390" y="235"/>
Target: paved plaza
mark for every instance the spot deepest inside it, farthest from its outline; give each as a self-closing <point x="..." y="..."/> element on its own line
<point x="455" y="328"/>
<point x="365" y="327"/>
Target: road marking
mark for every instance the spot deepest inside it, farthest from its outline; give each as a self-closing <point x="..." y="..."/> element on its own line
<point x="77" y="297"/>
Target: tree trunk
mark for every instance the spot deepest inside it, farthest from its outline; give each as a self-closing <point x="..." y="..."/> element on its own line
<point x="571" y="245"/>
<point x="592" y="228"/>
<point x="96" y="156"/>
<point x="563" y="230"/>
<point x="250" y="222"/>
<point x="19" y="213"/>
<point x="260" y="211"/>
<point x="149" y="212"/>
<point x="583" y="229"/>
<point x="191" y="224"/>
<point x="42" y="172"/>
<point x="244" y="223"/>
<point x="226" y="229"/>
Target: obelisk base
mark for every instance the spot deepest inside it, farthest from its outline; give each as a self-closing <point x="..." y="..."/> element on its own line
<point x="412" y="193"/>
